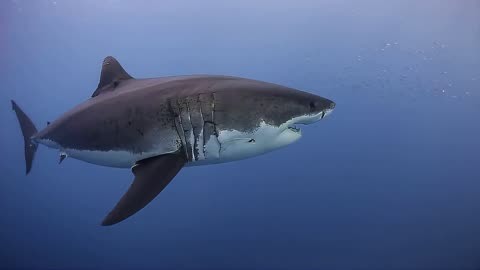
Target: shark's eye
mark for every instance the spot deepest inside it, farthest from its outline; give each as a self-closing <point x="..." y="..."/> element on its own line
<point x="312" y="106"/>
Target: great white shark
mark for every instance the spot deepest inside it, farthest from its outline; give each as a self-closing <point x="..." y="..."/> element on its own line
<point x="157" y="126"/>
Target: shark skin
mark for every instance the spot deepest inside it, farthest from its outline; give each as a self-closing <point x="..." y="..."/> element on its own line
<point x="157" y="126"/>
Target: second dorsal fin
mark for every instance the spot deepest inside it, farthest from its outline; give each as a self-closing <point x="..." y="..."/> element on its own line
<point x="112" y="74"/>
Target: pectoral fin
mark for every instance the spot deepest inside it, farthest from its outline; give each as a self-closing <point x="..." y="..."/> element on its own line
<point x="152" y="175"/>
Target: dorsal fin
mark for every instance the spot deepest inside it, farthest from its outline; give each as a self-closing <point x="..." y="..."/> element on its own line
<point x="112" y="74"/>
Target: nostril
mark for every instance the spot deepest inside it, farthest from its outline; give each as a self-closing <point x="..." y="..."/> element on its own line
<point x="332" y="105"/>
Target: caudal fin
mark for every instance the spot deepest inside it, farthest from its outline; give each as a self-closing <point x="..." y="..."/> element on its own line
<point x="28" y="130"/>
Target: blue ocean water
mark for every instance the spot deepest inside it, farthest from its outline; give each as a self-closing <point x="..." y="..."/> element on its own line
<point x="390" y="180"/>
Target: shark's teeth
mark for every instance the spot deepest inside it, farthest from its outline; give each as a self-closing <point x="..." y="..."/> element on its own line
<point x="294" y="128"/>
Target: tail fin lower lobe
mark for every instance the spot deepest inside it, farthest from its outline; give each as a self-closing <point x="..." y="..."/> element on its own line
<point x="28" y="130"/>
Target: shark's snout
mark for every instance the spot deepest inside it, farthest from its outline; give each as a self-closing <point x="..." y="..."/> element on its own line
<point x="332" y="105"/>
<point x="326" y="108"/>
<point x="330" y="108"/>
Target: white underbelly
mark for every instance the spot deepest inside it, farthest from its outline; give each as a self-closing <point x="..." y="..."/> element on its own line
<point x="119" y="159"/>
<point x="231" y="145"/>
<point x="110" y="158"/>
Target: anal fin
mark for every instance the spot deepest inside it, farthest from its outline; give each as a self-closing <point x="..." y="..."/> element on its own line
<point x="152" y="175"/>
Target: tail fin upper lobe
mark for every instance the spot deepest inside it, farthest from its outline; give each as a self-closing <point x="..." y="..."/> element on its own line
<point x="28" y="130"/>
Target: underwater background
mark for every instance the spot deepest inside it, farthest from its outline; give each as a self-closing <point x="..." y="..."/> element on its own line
<point x="390" y="180"/>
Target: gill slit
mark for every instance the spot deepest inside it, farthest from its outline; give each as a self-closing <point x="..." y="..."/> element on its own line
<point x="181" y="132"/>
<point x="214" y="124"/>
<point x="191" y="135"/>
<point x="200" y="134"/>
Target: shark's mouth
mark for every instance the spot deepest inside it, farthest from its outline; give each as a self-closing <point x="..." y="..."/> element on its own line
<point x="294" y="128"/>
<point x="306" y="120"/>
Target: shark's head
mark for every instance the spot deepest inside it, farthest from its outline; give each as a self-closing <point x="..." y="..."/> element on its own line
<point x="294" y="108"/>
<point x="256" y="117"/>
<point x="299" y="108"/>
